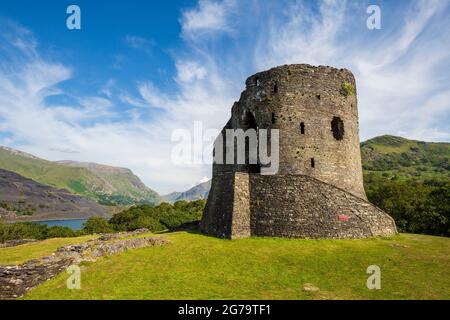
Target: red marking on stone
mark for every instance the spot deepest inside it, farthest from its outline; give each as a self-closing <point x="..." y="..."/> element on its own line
<point x="343" y="217"/>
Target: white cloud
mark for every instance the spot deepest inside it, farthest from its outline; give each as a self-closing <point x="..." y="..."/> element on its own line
<point x="209" y="17"/>
<point x="153" y="96"/>
<point x="301" y="35"/>
<point x="189" y="71"/>
<point x="396" y="68"/>
<point x="93" y="130"/>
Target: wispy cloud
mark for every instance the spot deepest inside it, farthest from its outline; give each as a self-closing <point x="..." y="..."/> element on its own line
<point x="207" y="18"/>
<point x="140" y="43"/>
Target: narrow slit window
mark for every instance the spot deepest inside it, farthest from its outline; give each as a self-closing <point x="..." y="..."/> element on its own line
<point x="257" y="82"/>
<point x="313" y="163"/>
<point x="275" y="88"/>
<point x="273" y="117"/>
<point x="302" y="127"/>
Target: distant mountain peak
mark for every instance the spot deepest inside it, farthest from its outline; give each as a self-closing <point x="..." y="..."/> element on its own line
<point x="197" y="192"/>
<point x="388" y="140"/>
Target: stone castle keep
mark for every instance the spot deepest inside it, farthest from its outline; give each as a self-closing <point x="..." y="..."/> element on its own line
<point x="318" y="190"/>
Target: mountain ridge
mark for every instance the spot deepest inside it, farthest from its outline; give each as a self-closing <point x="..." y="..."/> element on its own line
<point x="118" y="187"/>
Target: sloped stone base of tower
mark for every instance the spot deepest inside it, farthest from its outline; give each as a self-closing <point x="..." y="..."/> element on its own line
<point x="294" y="206"/>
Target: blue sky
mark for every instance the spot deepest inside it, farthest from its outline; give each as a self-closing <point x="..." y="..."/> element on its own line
<point x="114" y="91"/>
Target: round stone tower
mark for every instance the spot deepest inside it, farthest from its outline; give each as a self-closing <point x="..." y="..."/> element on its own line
<point x="318" y="189"/>
<point x="315" y="109"/>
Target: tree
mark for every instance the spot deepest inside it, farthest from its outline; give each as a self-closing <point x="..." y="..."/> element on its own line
<point x="97" y="225"/>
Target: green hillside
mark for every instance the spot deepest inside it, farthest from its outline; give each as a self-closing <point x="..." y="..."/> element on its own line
<point x="119" y="187"/>
<point x="399" y="158"/>
<point x="194" y="266"/>
<point x="411" y="181"/>
<point x="128" y="188"/>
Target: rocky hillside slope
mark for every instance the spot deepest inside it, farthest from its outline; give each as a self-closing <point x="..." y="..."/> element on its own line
<point x="128" y="188"/>
<point x="22" y="199"/>
<point x="104" y="184"/>
<point x="198" y="192"/>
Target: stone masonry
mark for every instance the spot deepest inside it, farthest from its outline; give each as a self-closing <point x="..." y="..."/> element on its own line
<point x="318" y="190"/>
<point x="16" y="280"/>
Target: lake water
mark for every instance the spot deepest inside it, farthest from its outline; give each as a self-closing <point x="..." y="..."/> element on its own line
<point x="72" y="224"/>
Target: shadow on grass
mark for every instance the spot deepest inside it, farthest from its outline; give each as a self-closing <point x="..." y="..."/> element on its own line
<point x="190" y="227"/>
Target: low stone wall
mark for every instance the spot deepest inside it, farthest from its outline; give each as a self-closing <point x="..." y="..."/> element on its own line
<point x="14" y="243"/>
<point x="110" y="236"/>
<point x="15" y="281"/>
<point x="91" y="251"/>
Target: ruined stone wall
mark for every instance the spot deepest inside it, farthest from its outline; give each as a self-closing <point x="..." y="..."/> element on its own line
<point x="16" y="280"/>
<point x="305" y="207"/>
<point x="293" y="206"/>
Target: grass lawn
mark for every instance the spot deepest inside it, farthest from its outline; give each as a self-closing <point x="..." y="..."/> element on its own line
<point x="194" y="266"/>
<point x="25" y="252"/>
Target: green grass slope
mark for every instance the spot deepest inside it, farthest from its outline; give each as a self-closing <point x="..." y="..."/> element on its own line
<point x="194" y="266"/>
<point x="121" y="187"/>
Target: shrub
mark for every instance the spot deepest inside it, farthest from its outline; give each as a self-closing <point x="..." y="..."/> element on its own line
<point x="348" y="89"/>
<point x="416" y="207"/>
<point x="164" y="216"/>
<point x="97" y="225"/>
<point x="22" y="230"/>
<point x="60" y="232"/>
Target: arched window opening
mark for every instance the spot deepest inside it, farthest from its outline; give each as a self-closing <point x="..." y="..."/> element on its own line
<point x="302" y="127"/>
<point x="337" y="127"/>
